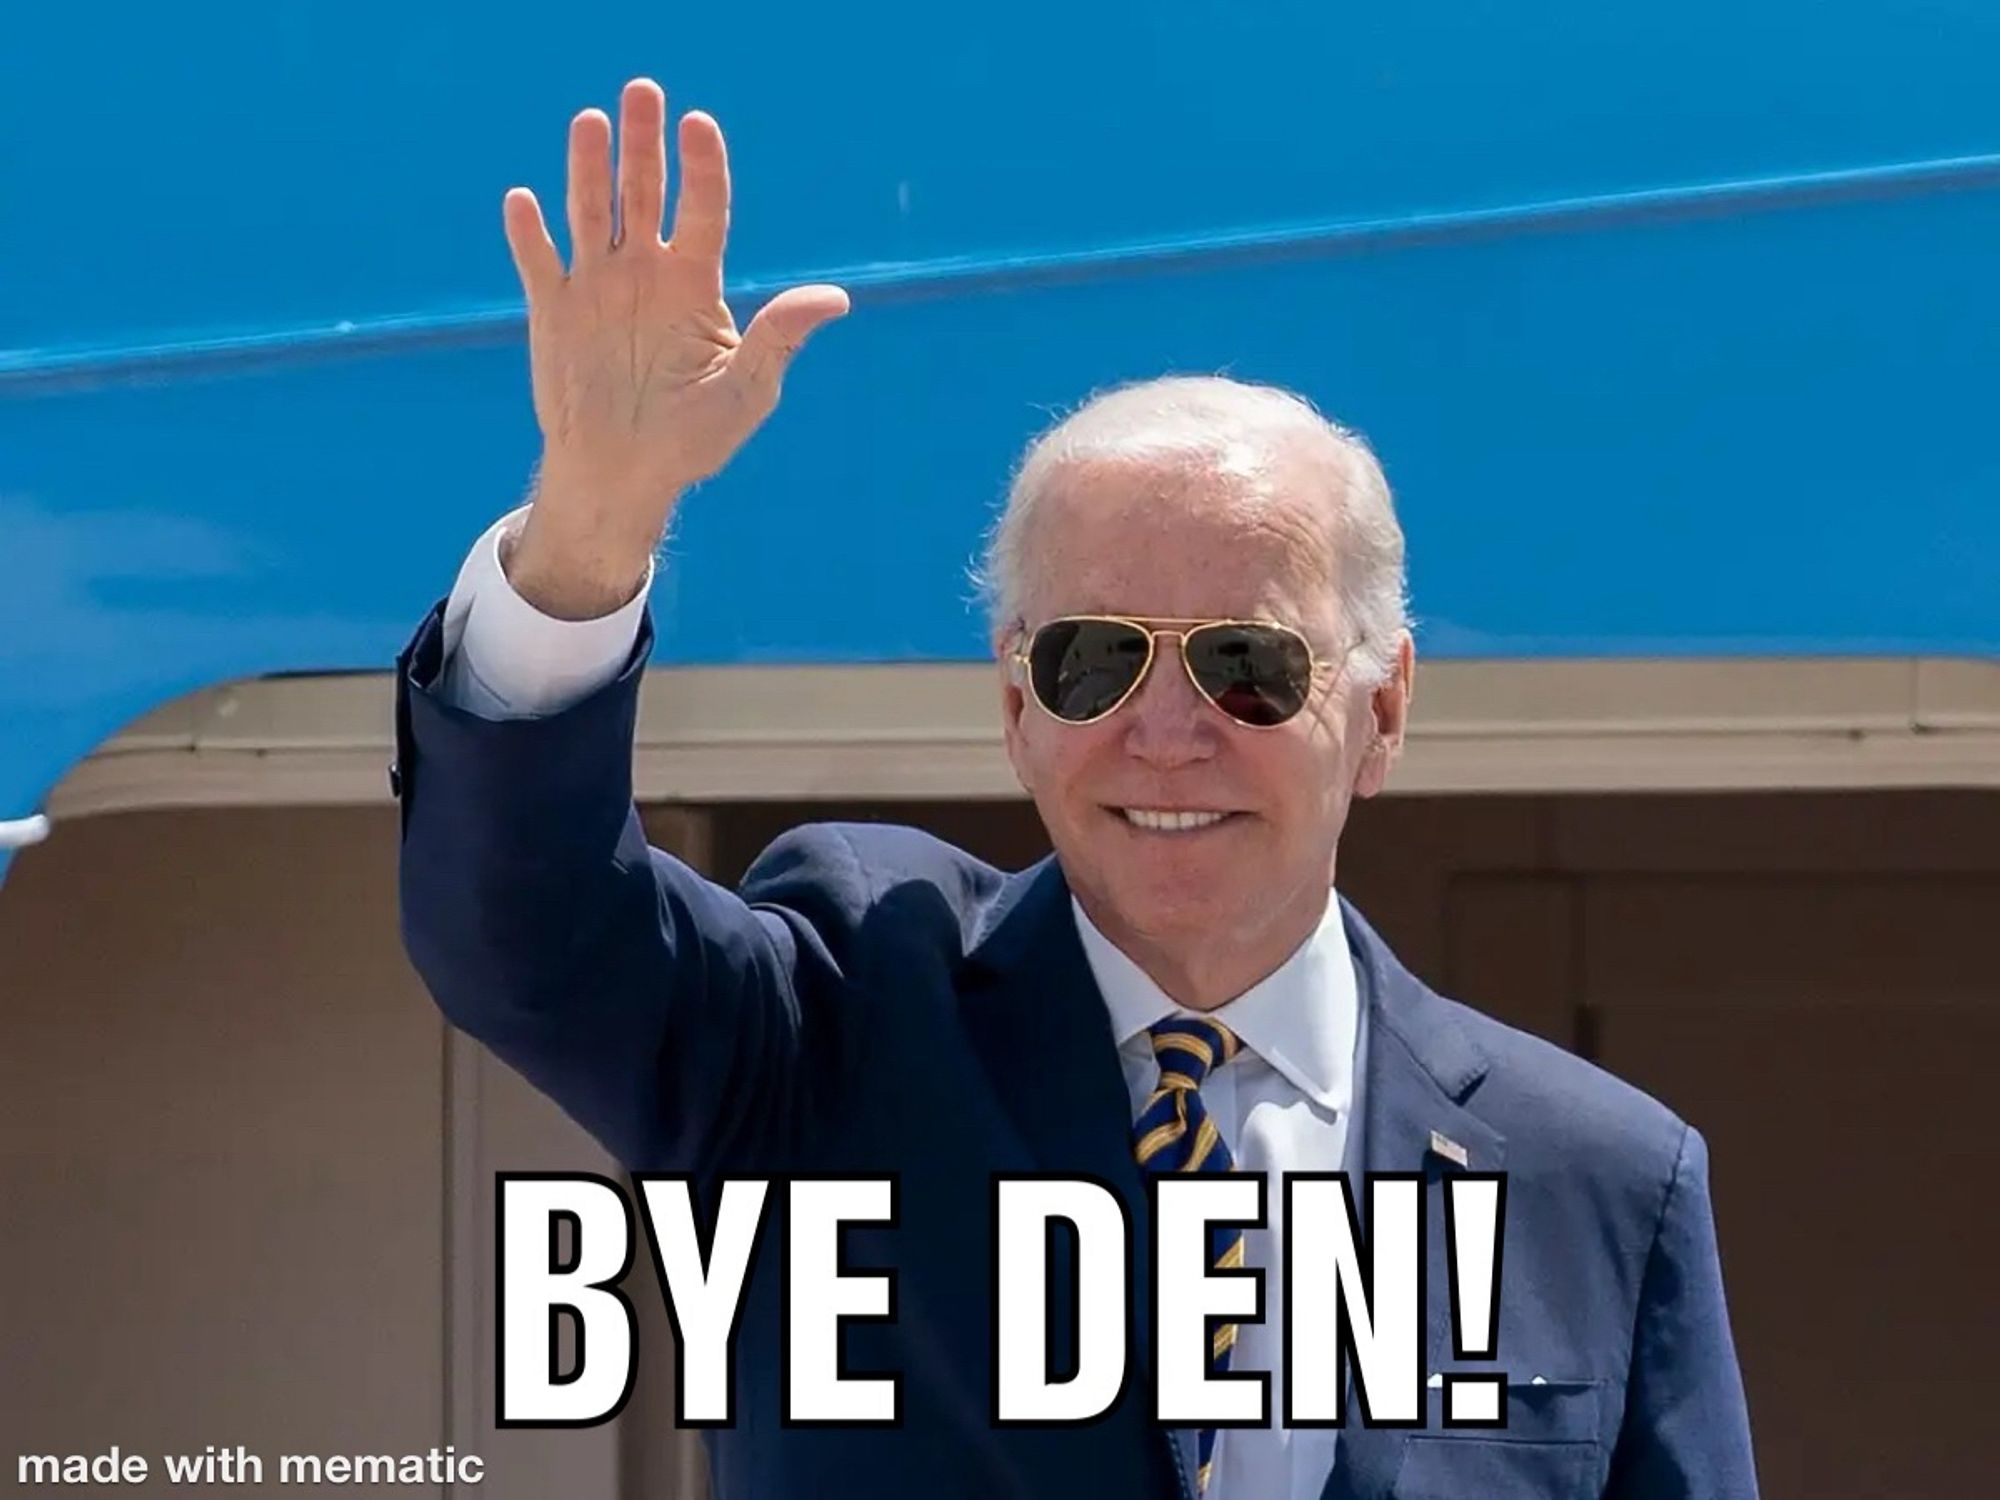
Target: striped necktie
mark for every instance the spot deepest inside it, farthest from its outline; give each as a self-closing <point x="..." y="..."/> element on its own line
<point x="1175" y="1134"/>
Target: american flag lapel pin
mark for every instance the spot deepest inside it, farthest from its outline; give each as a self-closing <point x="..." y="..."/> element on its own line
<point x="1443" y="1145"/>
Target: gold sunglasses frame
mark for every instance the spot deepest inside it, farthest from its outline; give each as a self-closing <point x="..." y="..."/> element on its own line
<point x="1154" y="627"/>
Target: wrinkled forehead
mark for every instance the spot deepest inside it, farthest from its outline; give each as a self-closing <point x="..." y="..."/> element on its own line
<point x="1188" y="539"/>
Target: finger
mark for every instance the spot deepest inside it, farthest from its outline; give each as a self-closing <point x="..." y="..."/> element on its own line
<point x="589" y="186"/>
<point x="782" y="325"/>
<point x="701" y="209"/>
<point x="642" y="161"/>
<point x="535" y="259"/>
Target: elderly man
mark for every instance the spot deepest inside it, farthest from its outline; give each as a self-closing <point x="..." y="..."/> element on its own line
<point x="1203" y="659"/>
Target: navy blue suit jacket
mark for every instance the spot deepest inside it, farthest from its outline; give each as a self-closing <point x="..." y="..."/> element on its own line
<point x="872" y="999"/>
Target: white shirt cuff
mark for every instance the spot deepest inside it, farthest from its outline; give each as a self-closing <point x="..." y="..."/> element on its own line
<point x="505" y="659"/>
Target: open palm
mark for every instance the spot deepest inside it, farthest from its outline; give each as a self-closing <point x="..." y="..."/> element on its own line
<point x="642" y="384"/>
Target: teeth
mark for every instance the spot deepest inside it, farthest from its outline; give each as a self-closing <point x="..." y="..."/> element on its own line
<point x="1170" y="822"/>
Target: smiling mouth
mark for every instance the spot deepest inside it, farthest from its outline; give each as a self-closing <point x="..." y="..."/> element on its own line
<point x="1179" y="820"/>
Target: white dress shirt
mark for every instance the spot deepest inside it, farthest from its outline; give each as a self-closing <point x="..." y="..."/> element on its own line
<point x="505" y="659"/>
<point x="1282" y="1104"/>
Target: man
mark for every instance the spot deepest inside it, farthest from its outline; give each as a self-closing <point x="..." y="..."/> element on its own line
<point x="1198" y="591"/>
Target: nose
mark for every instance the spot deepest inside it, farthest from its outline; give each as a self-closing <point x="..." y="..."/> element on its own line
<point x="1167" y="722"/>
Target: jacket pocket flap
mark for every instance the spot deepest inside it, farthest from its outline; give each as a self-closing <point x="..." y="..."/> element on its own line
<point x="1551" y="1411"/>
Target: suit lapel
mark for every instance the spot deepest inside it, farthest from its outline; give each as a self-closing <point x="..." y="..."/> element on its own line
<point x="1419" y="1071"/>
<point x="1033" y="1012"/>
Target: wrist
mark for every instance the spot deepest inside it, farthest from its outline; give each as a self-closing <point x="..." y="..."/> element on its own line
<point x="572" y="579"/>
<point x="619" y="504"/>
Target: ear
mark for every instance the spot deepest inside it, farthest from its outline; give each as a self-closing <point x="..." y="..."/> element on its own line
<point x="1013" y="707"/>
<point x="1389" y="718"/>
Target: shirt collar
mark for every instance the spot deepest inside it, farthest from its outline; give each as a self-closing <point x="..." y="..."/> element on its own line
<point x="1300" y="1018"/>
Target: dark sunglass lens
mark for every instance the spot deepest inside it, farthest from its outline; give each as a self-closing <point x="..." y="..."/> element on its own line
<point x="1081" y="668"/>
<point x="1255" y="674"/>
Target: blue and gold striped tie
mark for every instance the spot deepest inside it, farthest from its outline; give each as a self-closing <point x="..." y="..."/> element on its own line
<point x="1175" y="1134"/>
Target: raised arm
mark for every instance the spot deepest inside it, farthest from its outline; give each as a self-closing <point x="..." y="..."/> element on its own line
<point x="662" y="1011"/>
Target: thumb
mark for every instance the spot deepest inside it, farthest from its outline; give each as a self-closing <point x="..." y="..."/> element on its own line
<point x="782" y="325"/>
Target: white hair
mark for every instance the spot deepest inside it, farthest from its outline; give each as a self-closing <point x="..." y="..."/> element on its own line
<point x="1215" y="424"/>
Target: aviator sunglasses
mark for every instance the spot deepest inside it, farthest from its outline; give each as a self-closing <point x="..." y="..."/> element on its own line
<point x="1082" y="667"/>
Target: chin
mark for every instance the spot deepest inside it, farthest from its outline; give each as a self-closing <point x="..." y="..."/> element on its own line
<point x="1159" y="904"/>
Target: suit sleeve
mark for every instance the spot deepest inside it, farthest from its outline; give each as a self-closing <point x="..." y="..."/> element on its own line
<point x="1686" y="1434"/>
<point x="663" y="1012"/>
